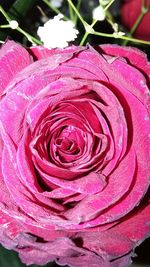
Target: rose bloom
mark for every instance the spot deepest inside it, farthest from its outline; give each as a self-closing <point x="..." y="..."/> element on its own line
<point x="75" y="162"/>
<point x="130" y="11"/>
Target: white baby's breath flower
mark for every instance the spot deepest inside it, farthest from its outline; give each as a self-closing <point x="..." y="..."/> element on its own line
<point x="56" y="3"/>
<point x="13" y="24"/>
<point x="118" y="34"/>
<point x="115" y="27"/>
<point x="99" y="13"/>
<point x="57" y="32"/>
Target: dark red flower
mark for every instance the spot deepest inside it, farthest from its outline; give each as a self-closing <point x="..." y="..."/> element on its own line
<point x="130" y="11"/>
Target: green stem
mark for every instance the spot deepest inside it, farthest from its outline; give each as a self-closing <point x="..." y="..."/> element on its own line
<point x="144" y="10"/>
<point x="137" y="23"/>
<point x="4" y="26"/>
<point x="109" y="4"/>
<point x="56" y="10"/>
<point x="27" y="35"/>
<point x="94" y="22"/>
<point x="88" y="28"/>
<point x="121" y="37"/>
<point x="76" y="17"/>
<point x="87" y="33"/>
<point x="109" y="16"/>
<point x="78" y="14"/>
<point x="71" y="13"/>
<point x="4" y="14"/>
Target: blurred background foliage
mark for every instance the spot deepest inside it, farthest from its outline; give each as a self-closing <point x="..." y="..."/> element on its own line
<point x="29" y="14"/>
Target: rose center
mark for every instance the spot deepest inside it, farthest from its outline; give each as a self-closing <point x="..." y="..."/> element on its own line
<point x="69" y="142"/>
<point x="67" y="145"/>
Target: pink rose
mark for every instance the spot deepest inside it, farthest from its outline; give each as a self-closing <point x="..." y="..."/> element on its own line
<point x="75" y="162"/>
<point x="130" y="11"/>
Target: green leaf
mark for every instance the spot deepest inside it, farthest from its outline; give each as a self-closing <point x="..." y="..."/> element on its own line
<point x="20" y="8"/>
<point x="9" y="258"/>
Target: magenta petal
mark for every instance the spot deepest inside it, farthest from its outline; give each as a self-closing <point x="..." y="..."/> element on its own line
<point x="91" y="206"/>
<point x="128" y="72"/>
<point x="51" y="95"/>
<point x="37" y="75"/>
<point x="110" y="245"/>
<point x="42" y="253"/>
<point x="131" y="78"/>
<point x="89" y="184"/>
<point x="22" y="196"/>
<point x="34" y="210"/>
<point x="63" y="250"/>
<point x="129" y="233"/>
<point x="136" y="226"/>
<point x="12" y="109"/>
<point x="135" y="56"/>
<point x="27" y="173"/>
<point x="9" y="229"/>
<point x="114" y="117"/>
<point x="8" y="206"/>
<point x="13" y="59"/>
<point x="84" y="260"/>
<point x="40" y="52"/>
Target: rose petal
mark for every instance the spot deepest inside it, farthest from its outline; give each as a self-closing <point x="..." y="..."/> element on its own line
<point x="22" y="196"/>
<point x="136" y="226"/>
<point x="136" y="57"/>
<point x="40" y="52"/>
<point x="13" y="59"/>
<point x="110" y="195"/>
